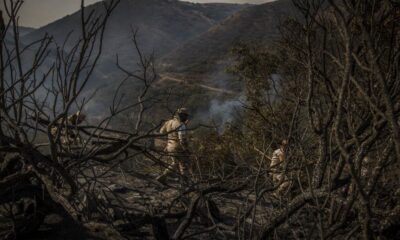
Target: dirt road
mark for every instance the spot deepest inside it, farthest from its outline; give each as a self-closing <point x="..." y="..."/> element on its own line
<point x="210" y="88"/>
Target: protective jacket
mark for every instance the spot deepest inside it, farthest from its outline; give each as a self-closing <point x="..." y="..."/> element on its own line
<point x="176" y="135"/>
<point x="277" y="168"/>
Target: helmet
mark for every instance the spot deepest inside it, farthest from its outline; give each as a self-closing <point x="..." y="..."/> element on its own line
<point x="182" y="114"/>
<point x="182" y="111"/>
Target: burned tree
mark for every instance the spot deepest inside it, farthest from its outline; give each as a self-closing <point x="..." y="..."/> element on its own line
<point x="40" y="86"/>
<point x="53" y="161"/>
<point x="335" y="99"/>
<point x="330" y="87"/>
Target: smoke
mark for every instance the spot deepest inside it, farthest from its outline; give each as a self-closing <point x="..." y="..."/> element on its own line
<point x="224" y="111"/>
<point x="221" y="112"/>
<point x="223" y="107"/>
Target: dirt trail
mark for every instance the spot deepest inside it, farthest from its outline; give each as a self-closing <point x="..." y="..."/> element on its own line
<point x="214" y="89"/>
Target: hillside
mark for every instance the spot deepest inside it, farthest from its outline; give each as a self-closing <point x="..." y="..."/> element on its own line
<point x="22" y="32"/>
<point x="257" y="24"/>
<point x="163" y="26"/>
<point x="193" y="39"/>
<point x="25" y="30"/>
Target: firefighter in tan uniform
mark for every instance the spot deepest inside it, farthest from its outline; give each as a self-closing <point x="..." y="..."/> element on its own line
<point x="70" y="136"/>
<point x="277" y="168"/>
<point x="177" y="146"/>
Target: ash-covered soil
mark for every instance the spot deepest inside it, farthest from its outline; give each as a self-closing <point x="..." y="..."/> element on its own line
<point x="129" y="200"/>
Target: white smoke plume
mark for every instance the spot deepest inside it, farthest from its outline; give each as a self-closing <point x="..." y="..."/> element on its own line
<point x="224" y="111"/>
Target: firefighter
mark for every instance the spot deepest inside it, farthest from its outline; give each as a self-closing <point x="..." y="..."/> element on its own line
<point x="68" y="137"/>
<point x="277" y="168"/>
<point x="177" y="144"/>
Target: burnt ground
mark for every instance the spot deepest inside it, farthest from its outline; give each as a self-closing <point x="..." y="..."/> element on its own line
<point x="60" y="227"/>
<point x="140" y="197"/>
